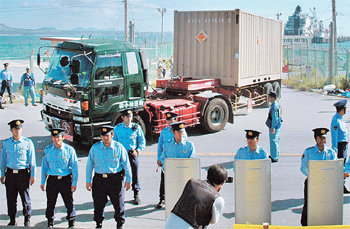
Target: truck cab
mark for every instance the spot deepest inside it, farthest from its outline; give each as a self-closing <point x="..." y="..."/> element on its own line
<point x="89" y="82"/>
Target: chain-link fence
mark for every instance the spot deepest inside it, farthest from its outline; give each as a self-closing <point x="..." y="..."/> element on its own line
<point x="313" y="61"/>
<point x="159" y="56"/>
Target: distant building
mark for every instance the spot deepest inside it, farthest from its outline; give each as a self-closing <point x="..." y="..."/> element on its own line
<point x="297" y="24"/>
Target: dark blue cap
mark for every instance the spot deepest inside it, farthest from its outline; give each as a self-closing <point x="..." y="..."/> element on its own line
<point x="106" y="129"/>
<point x="251" y="134"/>
<point x="17" y="123"/>
<point x="341" y="103"/>
<point x="57" y="132"/>
<point x="322" y="132"/>
<point x="273" y="94"/>
<point x="178" y="126"/>
<point x="171" y="115"/>
<point x="127" y="112"/>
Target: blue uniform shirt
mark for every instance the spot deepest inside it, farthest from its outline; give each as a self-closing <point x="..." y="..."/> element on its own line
<point x="274" y="120"/>
<point x="347" y="165"/>
<point x="59" y="162"/>
<point x="111" y="159"/>
<point x="18" y="155"/>
<point x="6" y="75"/>
<point x="313" y="153"/>
<point x="245" y="153"/>
<point x="129" y="138"/>
<point x="338" y="130"/>
<point x="183" y="149"/>
<point x="165" y="136"/>
<point x="28" y="80"/>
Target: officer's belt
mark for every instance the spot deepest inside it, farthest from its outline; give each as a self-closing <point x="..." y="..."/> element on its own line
<point x="59" y="177"/>
<point x="106" y="175"/>
<point x="15" y="171"/>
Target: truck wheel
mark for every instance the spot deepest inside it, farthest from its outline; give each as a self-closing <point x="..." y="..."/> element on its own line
<point x="215" y="116"/>
<point x="277" y="88"/>
<point x="267" y="89"/>
<point x="137" y="119"/>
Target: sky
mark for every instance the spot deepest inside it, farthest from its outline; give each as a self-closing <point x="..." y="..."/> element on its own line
<point x="109" y="14"/>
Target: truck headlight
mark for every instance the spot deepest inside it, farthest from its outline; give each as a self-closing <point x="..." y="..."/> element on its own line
<point x="80" y="119"/>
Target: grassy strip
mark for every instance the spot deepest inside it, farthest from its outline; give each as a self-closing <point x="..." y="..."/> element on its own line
<point x="308" y="83"/>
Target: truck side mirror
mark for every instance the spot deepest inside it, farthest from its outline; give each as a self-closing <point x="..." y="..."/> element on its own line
<point x="38" y="59"/>
<point x="75" y="65"/>
<point x="64" y="61"/>
<point x="74" y="78"/>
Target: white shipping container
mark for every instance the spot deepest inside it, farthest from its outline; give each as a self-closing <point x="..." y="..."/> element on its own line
<point x="238" y="48"/>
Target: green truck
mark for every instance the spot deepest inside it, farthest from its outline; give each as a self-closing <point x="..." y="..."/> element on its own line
<point x="218" y="61"/>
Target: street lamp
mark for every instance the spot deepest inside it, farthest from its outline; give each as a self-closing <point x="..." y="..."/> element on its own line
<point x="162" y="12"/>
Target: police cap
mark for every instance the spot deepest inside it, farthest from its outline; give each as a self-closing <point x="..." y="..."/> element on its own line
<point x="57" y="132"/>
<point x="171" y="115"/>
<point x="6" y="64"/>
<point x="322" y="132"/>
<point x="341" y="103"/>
<point x="178" y="126"/>
<point x="127" y="112"/>
<point x="106" y="129"/>
<point x="17" y="123"/>
<point x="273" y="94"/>
<point x="251" y="134"/>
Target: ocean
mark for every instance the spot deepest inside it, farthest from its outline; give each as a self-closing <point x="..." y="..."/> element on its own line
<point x="20" y="47"/>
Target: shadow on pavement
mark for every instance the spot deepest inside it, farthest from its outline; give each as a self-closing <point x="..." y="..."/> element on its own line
<point x="229" y="215"/>
<point x="226" y="165"/>
<point x="280" y="205"/>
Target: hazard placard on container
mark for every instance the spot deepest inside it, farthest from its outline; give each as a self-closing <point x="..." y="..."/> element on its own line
<point x="202" y="36"/>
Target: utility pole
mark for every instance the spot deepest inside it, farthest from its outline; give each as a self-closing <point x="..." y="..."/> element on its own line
<point x="331" y="52"/>
<point x="162" y="12"/>
<point x="335" y="43"/>
<point x="132" y="32"/>
<point x="126" y="20"/>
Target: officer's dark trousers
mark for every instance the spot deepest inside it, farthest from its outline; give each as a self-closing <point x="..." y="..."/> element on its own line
<point x="17" y="183"/>
<point x="342" y="150"/>
<point x="303" y="220"/>
<point x="134" y="164"/>
<point x="53" y="188"/>
<point x="161" y="188"/>
<point x="6" y="84"/>
<point x="113" y="187"/>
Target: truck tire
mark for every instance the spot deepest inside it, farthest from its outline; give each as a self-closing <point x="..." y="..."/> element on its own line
<point x="137" y="119"/>
<point x="277" y="88"/>
<point x="215" y="116"/>
<point x="267" y="89"/>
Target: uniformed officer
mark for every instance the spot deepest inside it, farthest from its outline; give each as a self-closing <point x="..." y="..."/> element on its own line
<point x="273" y="122"/>
<point x="60" y="167"/>
<point x="319" y="152"/>
<point x="110" y="161"/>
<point x="200" y="203"/>
<point x="18" y="171"/>
<point x="252" y="151"/>
<point x="165" y="136"/>
<point x="340" y="132"/>
<point x="131" y="136"/>
<point x="178" y="147"/>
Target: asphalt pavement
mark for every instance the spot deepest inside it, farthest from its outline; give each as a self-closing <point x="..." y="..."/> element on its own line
<point x="302" y="111"/>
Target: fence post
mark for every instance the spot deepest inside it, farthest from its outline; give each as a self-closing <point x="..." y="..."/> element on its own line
<point x="347" y="62"/>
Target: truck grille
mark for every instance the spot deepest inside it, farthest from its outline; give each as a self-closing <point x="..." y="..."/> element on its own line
<point x="59" y="112"/>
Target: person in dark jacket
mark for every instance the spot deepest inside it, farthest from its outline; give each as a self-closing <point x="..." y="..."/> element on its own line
<point x="200" y="203"/>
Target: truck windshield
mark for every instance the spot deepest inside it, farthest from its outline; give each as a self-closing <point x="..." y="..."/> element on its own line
<point x="58" y="74"/>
